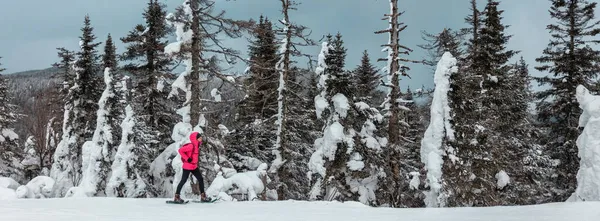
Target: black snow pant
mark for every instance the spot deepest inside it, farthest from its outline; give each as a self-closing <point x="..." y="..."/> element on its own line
<point x="184" y="178"/>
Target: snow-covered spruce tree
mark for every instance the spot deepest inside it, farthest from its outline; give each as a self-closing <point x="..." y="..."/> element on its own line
<point x="117" y="102"/>
<point x="347" y="162"/>
<point x="572" y="60"/>
<point x="412" y="132"/>
<point x="497" y="154"/>
<point x="530" y="179"/>
<point x="194" y="43"/>
<point x="588" y="176"/>
<point x="80" y="104"/>
<point x="396" y="172"/>
<point x="436" y="151"/>
<point x="150" y="70"/>
<point x="465" y="103"/>
<point x="252" y="140"/>
<point x="98" y="153"/>
<point x="129" y="176"/>
<point x="284" y="165"/>
<point x="10" y="152"/>
<point x="366" y="79"/>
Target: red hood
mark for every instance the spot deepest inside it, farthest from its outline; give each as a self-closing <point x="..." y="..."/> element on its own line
<point x="193" y="139"/>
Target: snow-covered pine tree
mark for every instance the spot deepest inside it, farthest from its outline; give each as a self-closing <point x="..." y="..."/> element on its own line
<point x="347" y="162"/>
<point x="117" y="101"/>
<point x="496" y="153"/>
<point x="302" y="133"/>
<point x="98" y="153"/>
<point x="252" y="140"/>
<point x="283" y="167"/>
<point x="412" y="132"/>
<point x="150" y="69"/>
<point x="366" y="79"/>
<point x="572" y="60"/>
<point x="393" y="108"/>
<point x="10" y="153"/>
<point x="465" y="102"/>
<point x="531" y="179"/>
<point x="437" y="153"/>
<point x="79" y="106"/>
<point x="129" y="176"/>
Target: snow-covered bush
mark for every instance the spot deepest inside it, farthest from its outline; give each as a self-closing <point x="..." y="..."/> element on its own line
<point x="38" y="187"/>
<point x="228" y="182"/>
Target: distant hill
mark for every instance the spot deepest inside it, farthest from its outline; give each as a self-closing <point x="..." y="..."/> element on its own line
<point x="44" y="73"/>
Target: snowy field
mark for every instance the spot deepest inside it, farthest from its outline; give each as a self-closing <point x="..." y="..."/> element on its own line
<point x="113" y="209"/>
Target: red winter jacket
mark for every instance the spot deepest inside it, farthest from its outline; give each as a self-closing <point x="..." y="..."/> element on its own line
<point x="190" y="150"/>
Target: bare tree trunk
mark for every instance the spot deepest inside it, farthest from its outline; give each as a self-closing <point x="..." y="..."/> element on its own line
<point x="193" y="77"/>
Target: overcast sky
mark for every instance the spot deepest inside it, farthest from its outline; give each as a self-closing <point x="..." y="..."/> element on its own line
<point x="32" y="30"/>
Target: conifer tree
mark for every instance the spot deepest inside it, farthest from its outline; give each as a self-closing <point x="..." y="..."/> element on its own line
<point x="572" y="60"/>
<point x="445" y="41"/>
<point x="102" y="147"/>
<point x="282" y="167"/>
<point x="338" y="79"/>
<point x="109" y="58"/>
<point x="80" y="107"/>
<point x="10" y="153"/>
<point x="117" y="107"/>
<point x="262" y="82"/>
<point x="348" y="157"/>
<point x="254" y="137"/>
<point x="146" y="43"/>
<point x="366" y="79"/>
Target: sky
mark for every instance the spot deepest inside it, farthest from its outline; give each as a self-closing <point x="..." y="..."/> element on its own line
<point x="29" y="41"/>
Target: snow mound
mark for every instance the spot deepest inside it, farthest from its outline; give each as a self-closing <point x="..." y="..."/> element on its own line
<point x="249" y="183"/>
<point x="9" y="183"/>
<point x="588" y="143"/>
<point x="39" y="187"/>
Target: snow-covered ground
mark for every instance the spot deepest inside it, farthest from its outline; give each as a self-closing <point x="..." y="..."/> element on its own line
<point x="114" y="209"/>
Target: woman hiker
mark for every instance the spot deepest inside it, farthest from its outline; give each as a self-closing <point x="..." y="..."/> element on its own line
<point x="189" y="156"/>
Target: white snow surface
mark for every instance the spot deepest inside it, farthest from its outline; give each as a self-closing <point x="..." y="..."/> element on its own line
<point x="588" y="143"/>
<point x="114" y="209"/>
<point x="7" y="193"/>
<point x="439" y="127"/>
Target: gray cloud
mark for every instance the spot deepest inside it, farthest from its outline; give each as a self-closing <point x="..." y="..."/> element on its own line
<point x="29" y="42"/>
